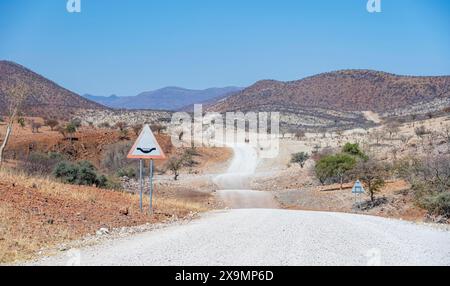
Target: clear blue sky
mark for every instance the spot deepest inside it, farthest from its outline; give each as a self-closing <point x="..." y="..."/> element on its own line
<point x="128" y="46"/>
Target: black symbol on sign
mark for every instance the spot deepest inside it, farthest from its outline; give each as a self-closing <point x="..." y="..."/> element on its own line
<point x="146" y="150"/>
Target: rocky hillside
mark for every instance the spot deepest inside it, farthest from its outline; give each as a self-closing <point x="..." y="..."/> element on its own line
<point x="168" y="98"/>
<point x="347" y="90"/>
<point x="46" y="97"/>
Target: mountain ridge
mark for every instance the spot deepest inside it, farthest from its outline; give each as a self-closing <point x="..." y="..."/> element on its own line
<point x="166" y="98"/>
<point x="46" y="98"/>
<point x="346" y="90"/>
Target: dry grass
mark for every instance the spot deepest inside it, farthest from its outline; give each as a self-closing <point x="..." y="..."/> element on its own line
<point x="37" y="213"/>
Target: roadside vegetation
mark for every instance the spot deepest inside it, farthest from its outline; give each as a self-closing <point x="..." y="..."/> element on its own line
<point x="429" y="177"/>
<point x="412" y="157"/>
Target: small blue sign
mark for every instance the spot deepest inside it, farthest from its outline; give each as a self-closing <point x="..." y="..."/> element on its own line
<point x="358" y="188"/>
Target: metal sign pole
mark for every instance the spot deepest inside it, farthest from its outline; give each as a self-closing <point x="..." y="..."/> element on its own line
<point x="141" y="180"/>
<point x="146" y="147"/>
<point x="151" y="186"/>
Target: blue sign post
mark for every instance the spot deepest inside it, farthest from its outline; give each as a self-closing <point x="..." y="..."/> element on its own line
<point x="357" y="190"/>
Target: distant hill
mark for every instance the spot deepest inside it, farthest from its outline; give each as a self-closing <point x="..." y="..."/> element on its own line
<point x="103" y="100"/>
<point x="46" y="98"/>
<point x="346" y="90"/>
<point x="168" y="98"/>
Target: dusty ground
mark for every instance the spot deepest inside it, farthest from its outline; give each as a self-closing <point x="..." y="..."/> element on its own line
<point x="38" y="213"/>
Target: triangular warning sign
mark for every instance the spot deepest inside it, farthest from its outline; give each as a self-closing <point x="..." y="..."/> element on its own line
<point x="358" y="188"/>
<point x="146" y="146"/>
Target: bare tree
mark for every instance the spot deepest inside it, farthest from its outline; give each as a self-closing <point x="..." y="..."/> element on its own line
<point x="377" y="136"/>
<point x="52" y="123"/>
<point x="158" y="128"/>
<point x="121" y="125"/>
<point x="446" y="134"/>
<point x="299" y="134"/>
<point x="35" y="126"/>
<point x="175" y="164"/>
<point x="392" y="128"/>
<point x="371" y="173"/>
<point x="137" y="129"/>
<point x="17" y="95"/>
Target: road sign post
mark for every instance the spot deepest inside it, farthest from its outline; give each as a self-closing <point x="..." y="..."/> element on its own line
<point x="151" y="186"/>
<point x="141" y="184"/>
<point x="146" y="148"/>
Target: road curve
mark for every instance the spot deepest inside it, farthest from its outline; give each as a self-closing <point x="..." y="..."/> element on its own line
<point x="269" y="237"/>
<point x="234" y="184"/>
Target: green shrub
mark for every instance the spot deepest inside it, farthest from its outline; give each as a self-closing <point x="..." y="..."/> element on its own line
<point x="438" y="204"/>
<point x="354" y="150"/>
<point x="300" y="158"/>
<point x="129" y="172"/>
<point x="82" y="173"/>
<point x="21" y="122"/>
<point x="76" y="122"/>
<point x="430" y="180"/>
<point x="66" y="172"/>
<point x="113" y="183"/>
<point x="104" y="125"/>
<point x="334" y="168"/>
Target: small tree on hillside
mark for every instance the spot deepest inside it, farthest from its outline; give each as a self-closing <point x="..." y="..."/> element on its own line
<point x="335" y="166"/>
<point x="137" y="129"/>
<point x="17" y="95"/>
<point x="353" y="149"/>
<point x="105" y="125"/>
<point x="377" y="136"/>
<point x="35" y="126"/>
<point x="76" y="122"/>
<point x="300" y="158"/>
<point x="71" y="129"/>
<point x="62" y="131"/>
<point x="52" y="123"/>
<point x="175" y="164"/>
<point x="421" y="131"/>
<point x="299" y="134"/>
<point x="371" y="174"/>
<point x="392" y="128"/>
<point x="21" y="122"/>
<point x="158" y="128"/>
<point x="121" y="126"/>
<point x="123" y="134"/>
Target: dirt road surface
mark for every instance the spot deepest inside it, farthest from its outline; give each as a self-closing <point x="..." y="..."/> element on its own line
<point x="273" y="237"/>
<point x="234" y="192"/>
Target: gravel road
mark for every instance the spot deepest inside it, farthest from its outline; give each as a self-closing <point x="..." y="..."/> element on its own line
<point x="269" y="237"/>
<point x="274" y="237"/>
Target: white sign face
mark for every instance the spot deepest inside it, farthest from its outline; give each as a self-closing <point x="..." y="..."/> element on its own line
<point x="146" y="147"/>
<point x="358" y="188"/>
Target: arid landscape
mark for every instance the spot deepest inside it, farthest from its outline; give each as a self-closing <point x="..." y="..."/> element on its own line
<point x="65" y="179"/>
